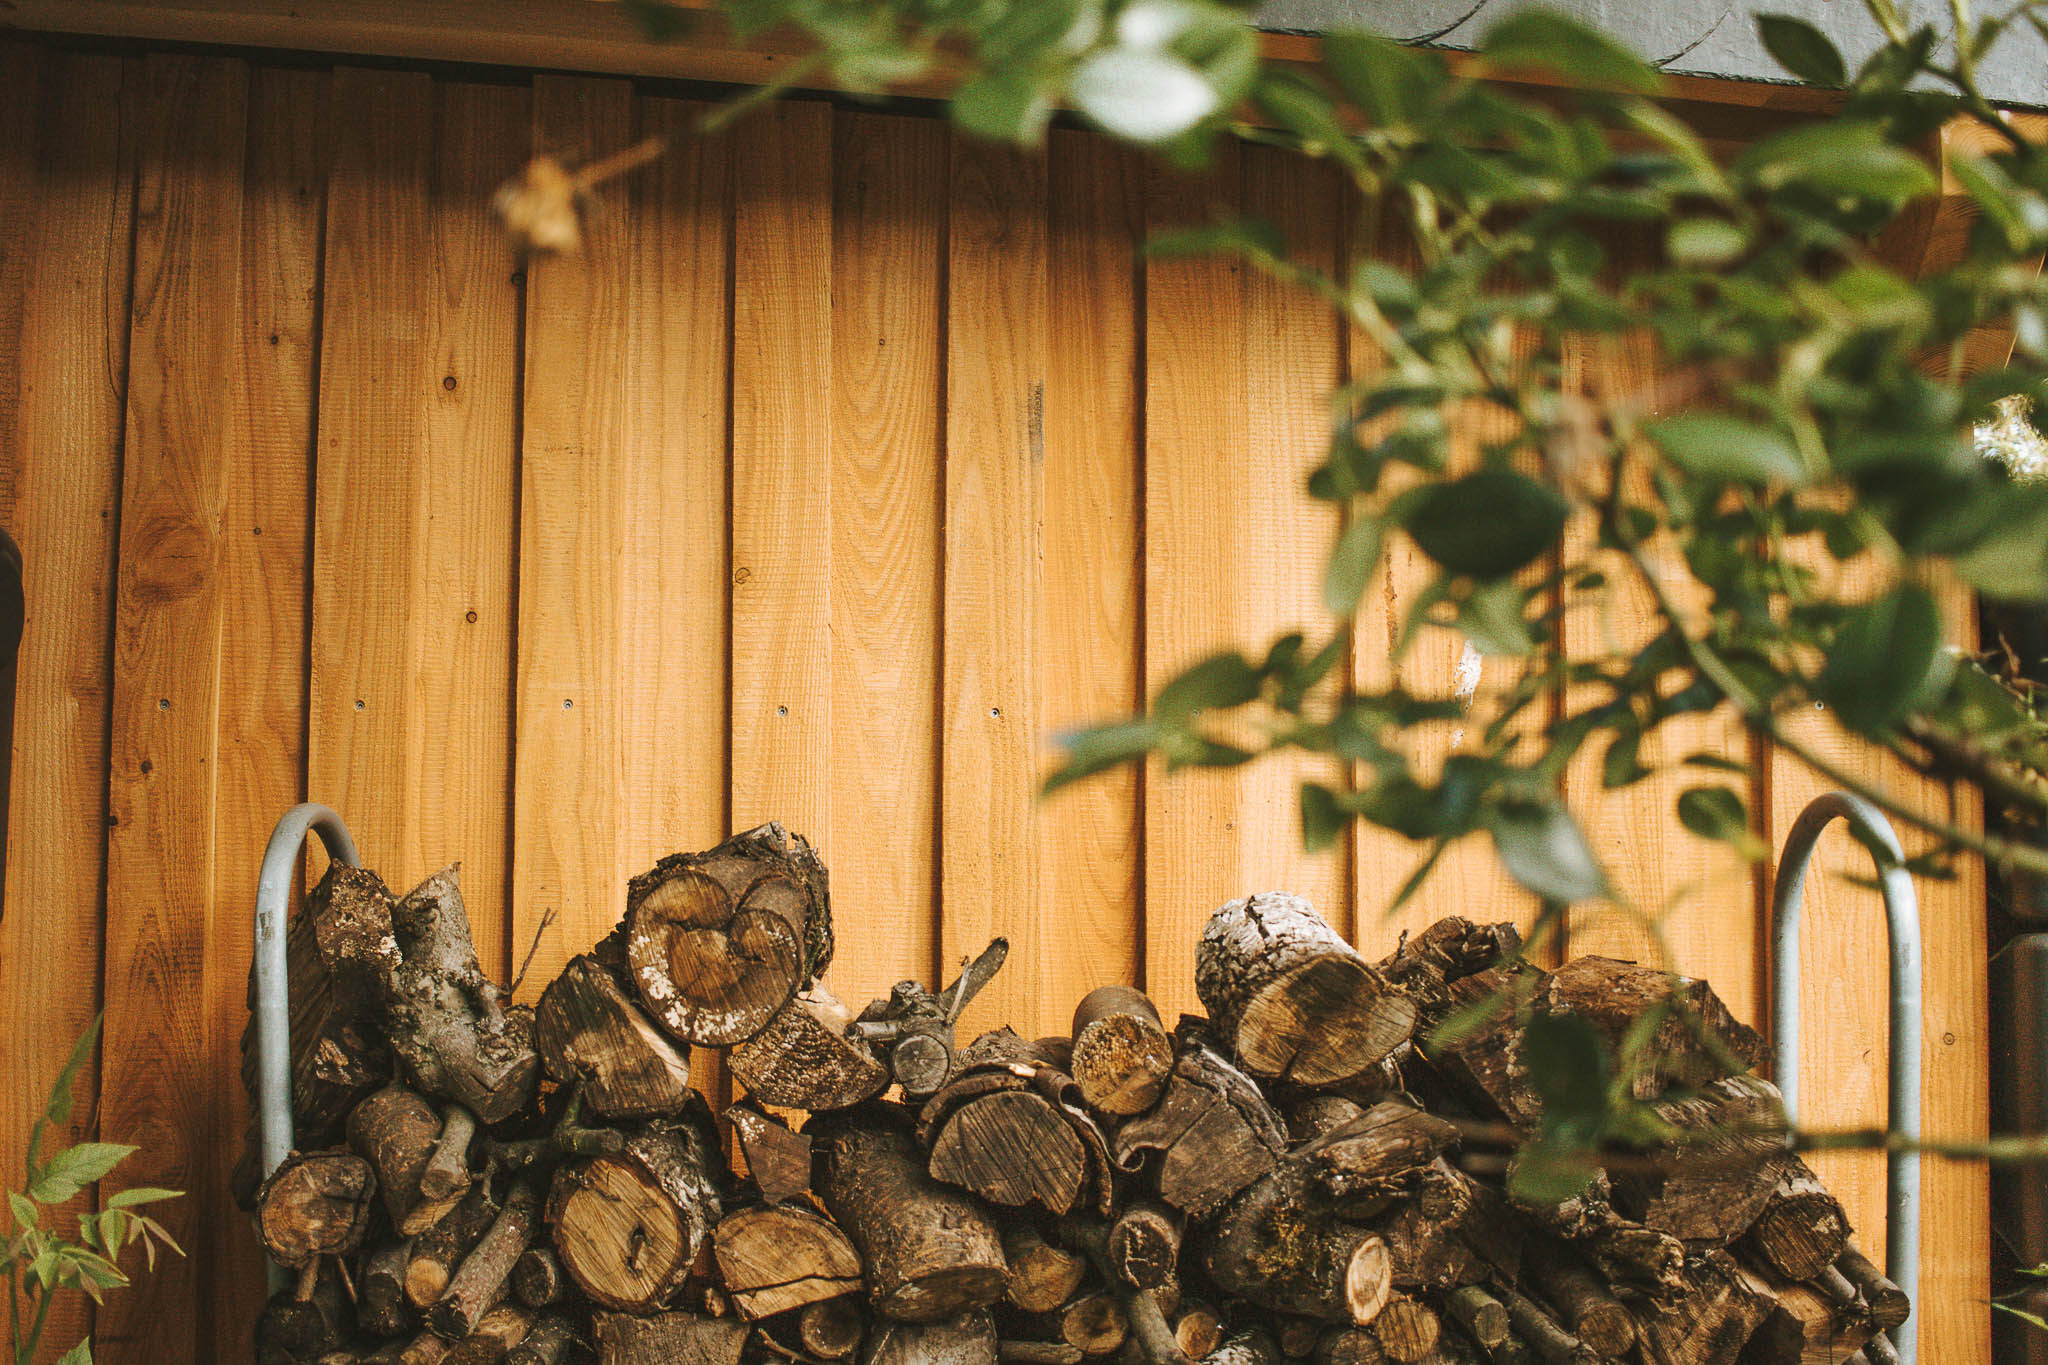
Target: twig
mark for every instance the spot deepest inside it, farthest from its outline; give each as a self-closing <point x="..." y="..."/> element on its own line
<point x="546" y="920"/>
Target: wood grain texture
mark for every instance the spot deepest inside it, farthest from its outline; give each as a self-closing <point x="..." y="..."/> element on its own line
<point x="1292" y="358"/>
<point x="568" y="763"/>
<point x="996" y="350"/>
<point x="1090" y="631"/>
<point x="1195" y="489"/>
<point x="163" y="1053"/>
<point x="65" y="224"/>
<point x="888" y="241"/>
<point x="781" y="470"/>
<point x="261" y="741"/>
<point x="674" y="604"/>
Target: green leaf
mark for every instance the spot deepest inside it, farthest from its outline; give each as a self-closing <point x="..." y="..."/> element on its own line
<point x="1622" y="764"/>
<point x="1101" y="748"/>
<point x="1540" y="845"/>
<point x="1551" y="1169"/>
<point x="1322" y="817"/>
<point x="1705" y="242"/>
<point x="1718" y="813"/>
<point x="657" y="21"/>
<point x="1883" y="658"/>
<point x="1487" y="524"/>
<point x="1569" y="1069"/>
<point x="1716" y="446"/>
<point x="24" y="1211"/>
<point x="1007" y="105"/>
<point x="88" y="1161"/>
<point x="1140" y="95"/>
<point x="142" y="1194"/>
<point x="1544" y="38"/>
<point x="1352" y="564"/>
<point x="1802" y="49"/>
<point x="1837" y="157"/>
<point x="1391" y="83"/>
<point x="58" y="1111"/>
<point x="1221" y="680"/>
<point x="1492" y="619"/>
<point x="81" y="1354"/>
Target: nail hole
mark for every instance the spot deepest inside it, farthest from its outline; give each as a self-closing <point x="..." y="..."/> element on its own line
<point x="782" y="710"/>
<point x="519" y="277"/>
<point x="995" y="710"/>
<point x="1948" y="1039"/>
<point x="568" y="702"/>
<point x="255" y="530"/>
<point x="273" y="338"/>
<point x="469" y="616"/>
<point x="146" y="765"/>
<point x="163" y="703"/>
<point x="448" y="382"/>
<point x="359" y="703"/>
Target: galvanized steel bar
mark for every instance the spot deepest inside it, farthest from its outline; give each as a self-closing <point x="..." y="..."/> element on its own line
<point x="1902" y="918"/>
<point x="273" y="991"/>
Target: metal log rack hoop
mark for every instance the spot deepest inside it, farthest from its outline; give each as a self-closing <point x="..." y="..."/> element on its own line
<point x="273" y="1002"/>
<point x="1902" y="918"/>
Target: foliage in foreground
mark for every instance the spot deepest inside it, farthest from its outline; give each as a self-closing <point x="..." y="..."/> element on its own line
<point x="40" y="1262"/>
<point x="1785" y="498"/>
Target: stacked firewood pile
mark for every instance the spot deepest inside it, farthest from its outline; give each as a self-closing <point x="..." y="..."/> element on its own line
<point x="1314" y="1171"/>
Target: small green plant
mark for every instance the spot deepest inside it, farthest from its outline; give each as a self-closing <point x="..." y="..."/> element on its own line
<point x="41" y="1262"/>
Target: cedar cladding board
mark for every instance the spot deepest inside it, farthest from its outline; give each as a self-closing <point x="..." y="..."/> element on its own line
<point x="1695" y="37"/>
<point x="813" y="348"/>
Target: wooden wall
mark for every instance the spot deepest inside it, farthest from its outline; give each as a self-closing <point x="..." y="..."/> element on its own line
<point x="848" y="464"/>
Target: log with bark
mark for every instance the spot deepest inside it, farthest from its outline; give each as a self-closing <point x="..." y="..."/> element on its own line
<point x="775" y="1257"/>
<point x="775" y="1158"/>
<point x="1121" y="1053"/>
<point x="589" y="1029"/>
<point x="1279" y="1243"/>
<point x="668" y="1339"/>
<point x="1290" y="998"/>
<point x="398" y="1132"/>
<point x="629" y="1225"/>
<point x="1211" y="1134"/>
<point x="315" y="1204"/>
<point x="717" y="942"/>
<point x="1011" y="1127"/>
<point x="806" y="1058"/>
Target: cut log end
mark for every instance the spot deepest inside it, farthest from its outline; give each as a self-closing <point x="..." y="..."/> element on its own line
<point x="1324" y="1022"/>
<point x="620" y="1236"/>
<point x="315" y="1204"/>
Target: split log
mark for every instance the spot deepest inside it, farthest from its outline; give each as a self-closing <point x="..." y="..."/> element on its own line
<point x="1292" y="999"/>
<point x="717" y="942"/>
<point x="1312" y="1115"/>
<point x="1408" y="1330"/>
<point x="1802" y="1323"/>
<point x="1638" y="1260"/>
<point x="315" y="1204"/>
<point x="1380" y="1153"/>
<point x="1802" y="1228"/>
<point x="1213" y="1133"/>
<point x="1121" y="1054"/>
<point x="1425" y="964"/>
<point x="1581" y="1302"/>
<point x="447" y="1174"/>
<point x="668" y="1339"/>
<point x="1709" y="1186"/>
<point x="1710" y="1325"/>
<point x="1482" y="1064"/>
<point x="495" y="1334"/>
<point x="485" y="1275"/>
<point x="629" y="1225"/>
<point x="590" y="1032"/>
<point x="1886" y="1303"/>
<point x="1272" y="1245"/>
<point x="445" y="1018"/>
<point x="1197" y="1329"/>
<point x="1448" y="1231"/>
<point x="775" y="1257"/>
<point x="436" y="1252"/>
<point x="805" y="1057"/>
<point x="549" y="1342"/>
<point x="538" y="1280"/>
<point x="831" y="1329"/>
<point x="1348" y="1346"/>
<point x="965" y="1339"/>
<point x="1041" y="1276"/>
<point x="1144" y="1244"/>
<point x="1484" y="1318"/>
<point x="777" y="1159"/>
<point x="424" y="1349"/>
<point x="381" y="1307"/>
<point x="929" y="1251"/>
<point x="1697" y="1040"/>
<point x="396" y="1131"/>
<point x="1012" y="1129"/>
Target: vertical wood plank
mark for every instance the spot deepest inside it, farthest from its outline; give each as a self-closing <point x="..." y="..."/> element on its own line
<point x="66" y="217"/>
<point x="1197" y="487"/>
<point x="162" y="1051"/>
<point x="674" y="622"/>
<point x="370" y="461"/>
<point x="572" y="509"/>
<point x="781" y="470"/>
<point x="1091" y="630"/>
<point x="261" y="743"/>
<point x="461" y="583"/>
<point x="888" y="222"/>
<point x="1292" y="357"/>
<point x="996" y="348"/>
